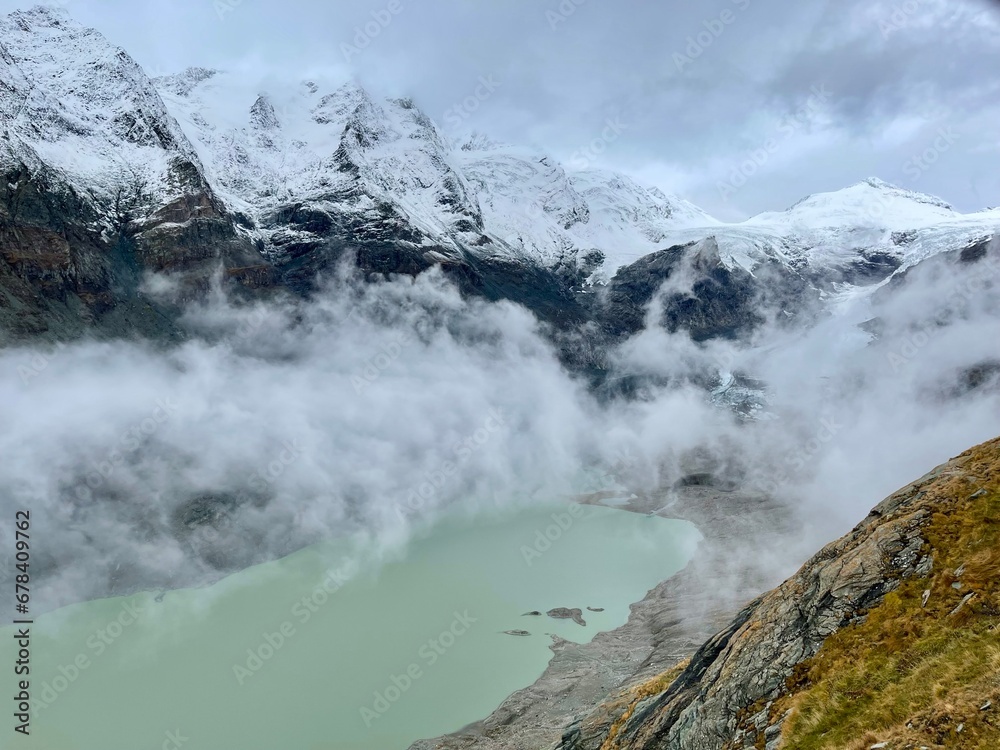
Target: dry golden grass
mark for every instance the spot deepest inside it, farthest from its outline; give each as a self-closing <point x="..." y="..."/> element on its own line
<point x="638" y="693"/>
<point x="908" y="675"/>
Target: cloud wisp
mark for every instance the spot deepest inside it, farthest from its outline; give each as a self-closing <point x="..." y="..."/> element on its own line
<point x="281" y="424"/>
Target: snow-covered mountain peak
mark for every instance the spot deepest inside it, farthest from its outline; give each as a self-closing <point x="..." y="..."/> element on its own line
<point x="377" y="163"/>
<point x="542" y="211"/>
<point x="327" y="164"/>
<point x="891" y="189"/>
<point x="477" y="141"/>
<point x="829" y="229"/>
<point x="621" y="195"/>
<point x="41" y="17"/>
<point x="262" y="114"/>
<point x="339" y="105"/>
<point x="80" y="105"/>
<point x="871" y="203"/>
<point x="335" y="148"/>
<point x="887" y="188"/>
<point x="878" y="184"/>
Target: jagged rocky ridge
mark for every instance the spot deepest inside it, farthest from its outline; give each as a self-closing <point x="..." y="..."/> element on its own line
<point x="108" y="175"/>
<point x="98" y="186"/>
<point x="724" y="697"/>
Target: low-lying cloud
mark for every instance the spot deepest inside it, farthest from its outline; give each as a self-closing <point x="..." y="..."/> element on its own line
<point x="377" y="406"/>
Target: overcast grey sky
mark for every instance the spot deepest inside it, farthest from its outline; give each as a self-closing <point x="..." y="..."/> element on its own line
<point x="738" y="105"/>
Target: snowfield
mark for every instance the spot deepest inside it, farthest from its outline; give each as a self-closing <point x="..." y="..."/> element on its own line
<point x="83" y="111"/>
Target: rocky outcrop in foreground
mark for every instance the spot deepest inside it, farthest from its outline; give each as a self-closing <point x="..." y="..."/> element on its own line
<point x="912" y="589"/>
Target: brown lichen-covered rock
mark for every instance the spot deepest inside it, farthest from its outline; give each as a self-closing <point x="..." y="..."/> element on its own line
<point x="66" y="268"/>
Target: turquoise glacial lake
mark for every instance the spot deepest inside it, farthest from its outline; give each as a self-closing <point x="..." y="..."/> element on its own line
<point x="335" y="647"/>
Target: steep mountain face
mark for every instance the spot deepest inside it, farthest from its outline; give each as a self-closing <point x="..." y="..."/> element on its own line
<point x="108" y="176"/>
<point x="700" y="293"/>
<point x="320" y="172"/>
<point x="322" y="169"/>
<point x="86" y="108"/>
<point x="317" y="174"/>
<point x="98" y="183"/>
<point x="544" y="213"/>
<point x="387" y="173"/>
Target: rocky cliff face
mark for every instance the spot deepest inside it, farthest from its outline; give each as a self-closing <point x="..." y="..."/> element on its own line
<point x="98" y="185"/>
<point x="775" y="676"/>
<point x="695" y="291"/>
<point x="108" y="176"/>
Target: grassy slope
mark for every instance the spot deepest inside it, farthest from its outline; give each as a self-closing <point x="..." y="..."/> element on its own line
<point x="911" y="675"/>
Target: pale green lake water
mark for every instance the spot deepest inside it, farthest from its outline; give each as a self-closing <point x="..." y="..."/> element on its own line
<point x="170" y="669"/>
